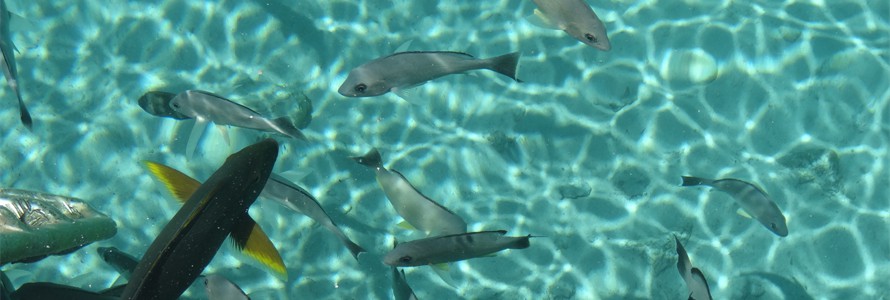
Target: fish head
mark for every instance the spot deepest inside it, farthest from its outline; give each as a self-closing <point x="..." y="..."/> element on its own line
<point x="181" y="104"/>
<point x="404" y="255"/>
<point x="362" y="83"/>
<point x="776" y="224"/>
<point x="592" y="33"/>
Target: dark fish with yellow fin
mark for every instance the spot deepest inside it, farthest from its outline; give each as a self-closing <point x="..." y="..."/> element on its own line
<point x="190" y="240"/>
<point x="751" y="198"/>
<point x="451" y="248"/>
<point x="247" y="236"/>
<point x="694" y="278"/>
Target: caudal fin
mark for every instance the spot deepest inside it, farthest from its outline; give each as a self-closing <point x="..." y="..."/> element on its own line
<point x="371" y="159"/>
<point x="24" y="115"/>
<point x="690" y="181"/>
<point x="286" y="127"/>
<point x="505" y="64"/>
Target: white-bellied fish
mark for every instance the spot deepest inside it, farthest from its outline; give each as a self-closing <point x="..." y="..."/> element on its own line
<point x="404" y="70"/>
<point x="208" y="107"/>
<point x="122" y="262"/>
<point x="298" y="199"/>
<point x="451" y="248"/>
<point x="694" y="278"/>
<point x="576" y="18"/>
<point x="247" y="235"/>
<point x="751" y="198"/>
<point x="7" y="49"/>
<point x="220" y="288"/>
<point x="190" y="240"/>
<point x="418" y="210"/>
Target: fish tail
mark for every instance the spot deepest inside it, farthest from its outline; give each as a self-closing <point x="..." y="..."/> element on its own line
<point x="354" y="248"/>
<point x="24" y="115"/>
<point x="371" y="159"/>
<point x="505" y="64"/>
<point x="690" y="181"/>
<point x="288" y="128"/>
<point x="522" y="242"/>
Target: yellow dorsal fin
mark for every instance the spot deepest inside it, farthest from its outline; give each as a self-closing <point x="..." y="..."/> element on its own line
<point x="252" y="241"/>
<point x="180" y="185"/>
<point x="405" y="225"/>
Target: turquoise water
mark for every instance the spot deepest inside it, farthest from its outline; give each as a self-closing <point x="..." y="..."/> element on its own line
<point x="800" y="106"/>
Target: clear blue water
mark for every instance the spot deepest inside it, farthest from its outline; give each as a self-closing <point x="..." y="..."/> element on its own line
<point x="800" y="106"/>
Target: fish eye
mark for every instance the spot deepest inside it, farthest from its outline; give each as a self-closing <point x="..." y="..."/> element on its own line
<point x="773" y="226"/>
<point x="405" y="259"/>
<point x="361" y="87"/>
<point x="590" y="37"/>
<point x="174" y="105"/>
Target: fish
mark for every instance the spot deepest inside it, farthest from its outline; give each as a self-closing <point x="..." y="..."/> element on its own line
<point x="451" y="248"/>
<point x="400" y="288"/>
<point x="7" y="50"/>
<point x="751" y="198"/>
<point x="121" y="261"/>
<point x="208" y="107"/>
<point x="298" y="199"/>
<point x="220" y="288"/>
<point x="403" y="70"/>
<point x="418" y="210"/>
<point x="694" y="278"/>
<point x="157" y="103"/>
<point x="6" y="287"/>
<point x="192" y="237"/>
<point x="576" y="18"/>
<point x="49" y="290"/>
<point x="247" y="236"/>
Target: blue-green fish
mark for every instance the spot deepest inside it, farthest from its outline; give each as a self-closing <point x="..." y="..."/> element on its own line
<point x="751" y="198"/>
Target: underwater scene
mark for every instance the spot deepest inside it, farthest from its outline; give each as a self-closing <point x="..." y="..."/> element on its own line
<point x="399" y="149"/>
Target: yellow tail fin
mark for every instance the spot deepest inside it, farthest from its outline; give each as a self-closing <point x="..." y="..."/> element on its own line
<point x="180" y="185"/>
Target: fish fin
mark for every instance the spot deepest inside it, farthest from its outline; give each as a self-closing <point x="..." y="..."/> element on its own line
<point x="522" y="243"/>
<point x="405" y="225"/>
<point x="286" y="127"/>
<point x="443" y="271"/>
<point x="250" y="239"/>
<point x="225" y="133"/>
<point x="690" y="181"/>
<point x="404" y="46"/>
<point x="505" y="64"/>
<point x="743" y="213"/>
<point x="370" y="159"/>
<point x="538" y="19"/>
<point x="408" y="93"/>
<point x="194" y="137"/>
<point x="180" y="185"/>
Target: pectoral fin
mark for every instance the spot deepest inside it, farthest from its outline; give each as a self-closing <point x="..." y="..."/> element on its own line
<point x="180" y="185"/>
<point x="251" y="240"/>
<point x="540" y="20"/>
<point x="194" y="137"/>
<point x="743" y="213"/>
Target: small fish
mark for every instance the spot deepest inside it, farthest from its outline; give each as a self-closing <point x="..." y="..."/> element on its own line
<point x="190" y="240"/>
<point x="451" y="248"/>
<point x="220" y="288"/>
<point x="298" y="199"/>
<point x="157" y="103"/>
<point x="121" y="261"/>
<point x="404" y="70"/>
<point x="418" y="210"/>
<point x="9" y="68"/>
<point x="577" y="19"/>
<point x="751" y="198"/>
<point x="247" y="236"/>
<point x="694" y="278"/>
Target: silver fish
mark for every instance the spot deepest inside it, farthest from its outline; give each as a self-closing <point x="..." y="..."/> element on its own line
<point x="298" y="199"/>
<point x="206" y="106"/>
<point x="220" y="288"/>
<point x="418" y="210"/>
<point x="694" y="278"/>
<point x="451" y="248"/>
<point x="751" y="198"/>
<point x="405" y="70"/>
<point x="121" y="261"/>
<point x="8" y="59"/>
<point x="577" y="19"/>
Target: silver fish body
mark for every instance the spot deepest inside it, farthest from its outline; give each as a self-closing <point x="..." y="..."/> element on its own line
<point x="298" y="199"/>
<point x="751" y="198"/>
<point x="7" y="49"/>
<point x="206" y="106"/>
<point x="220" y="288"/>
<point x="451" y="248"/>
<point x="418" y="210"/>
<point x="694" y="278"/>
<point x="577" y="19"/>
<point x="404" y="70"/>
